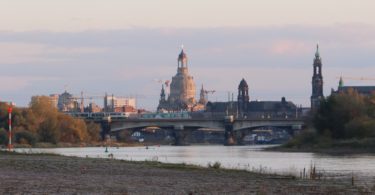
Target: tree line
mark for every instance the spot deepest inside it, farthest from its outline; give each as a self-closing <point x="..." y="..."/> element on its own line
<point x="345" y="119"/>
<point x="346" y="115"/>
<point x="41" y="122"/>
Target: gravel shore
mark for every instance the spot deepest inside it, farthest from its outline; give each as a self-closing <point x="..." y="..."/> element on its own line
<point x="51" y="174"/>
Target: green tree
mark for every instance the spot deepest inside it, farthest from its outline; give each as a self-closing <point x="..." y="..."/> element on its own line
<point x="360" y="128"/>
<point x="341" y="113"/>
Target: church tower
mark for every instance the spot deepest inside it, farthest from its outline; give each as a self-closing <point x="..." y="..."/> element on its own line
<point x="182" y="88"/>
<point x="317" y="81"/>
<point x="243" y="97"/>
<point x="163" y="100"/>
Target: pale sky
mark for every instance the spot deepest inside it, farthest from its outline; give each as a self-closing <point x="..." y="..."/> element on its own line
<point x="77" y="15"/>
<point x="122" y="47"/>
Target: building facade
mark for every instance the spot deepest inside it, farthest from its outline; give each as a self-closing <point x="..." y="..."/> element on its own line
<point x="67" y="103"/>
<point x="245" y="108"/>
<point x="112" y="103"/>
<point x="54" y="99"/>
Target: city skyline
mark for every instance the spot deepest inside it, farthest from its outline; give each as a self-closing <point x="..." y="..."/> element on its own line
<point x="274" y="54"/>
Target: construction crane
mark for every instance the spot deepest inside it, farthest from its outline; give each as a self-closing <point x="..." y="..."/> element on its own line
<point x="165" y="82"/>
<point x="209" y="92"/>
<point x="357" y="78"/>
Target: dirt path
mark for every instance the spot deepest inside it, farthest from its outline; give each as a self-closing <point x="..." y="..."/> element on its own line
<point x="48" y="174"/>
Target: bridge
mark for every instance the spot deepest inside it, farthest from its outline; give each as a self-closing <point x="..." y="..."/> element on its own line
<point x="180" y="127"/>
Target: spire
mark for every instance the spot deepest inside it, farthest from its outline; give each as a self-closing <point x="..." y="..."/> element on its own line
<point x="202" y="98"/>
<point x="341" y="82"/>
<point x="162" y="93"/>
<point x="317" y="55"/>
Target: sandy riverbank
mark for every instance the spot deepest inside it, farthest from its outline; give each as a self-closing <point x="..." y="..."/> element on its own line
<point x="46" y="174"/>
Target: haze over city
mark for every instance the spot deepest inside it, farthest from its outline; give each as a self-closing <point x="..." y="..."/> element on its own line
<point x="124" y="47"/>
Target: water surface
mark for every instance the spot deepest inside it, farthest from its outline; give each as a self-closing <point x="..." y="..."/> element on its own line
<point x="235" y="157"/>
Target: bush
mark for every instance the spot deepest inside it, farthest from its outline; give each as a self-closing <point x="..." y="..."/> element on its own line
<point x="306" y="138"/>
<point x="366" y="143"/>
<point x="360" y="128"/>
<point x="48" y="131"/>
<point x="216" y="165"/>
<point x="3" y="137"/>
<point x="93" y="130"/>
<point x="25" y="137"/>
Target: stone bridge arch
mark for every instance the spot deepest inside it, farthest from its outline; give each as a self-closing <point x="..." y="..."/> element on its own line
<point x="180" y="124"/>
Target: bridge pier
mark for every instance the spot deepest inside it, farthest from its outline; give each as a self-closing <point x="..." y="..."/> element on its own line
<point x="180" y="135"/>
<point x="106" y="128"/>
<point x="230" y="137"/>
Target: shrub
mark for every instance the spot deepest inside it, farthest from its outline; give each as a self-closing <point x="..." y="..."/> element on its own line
<point x="25" y="137"/>
<point x="306" y="138"/>
<point x="216" y="165"/>
<point x="3" y="137"/>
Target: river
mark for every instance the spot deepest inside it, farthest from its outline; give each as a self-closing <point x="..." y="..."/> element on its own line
<point x="251" y="158"/>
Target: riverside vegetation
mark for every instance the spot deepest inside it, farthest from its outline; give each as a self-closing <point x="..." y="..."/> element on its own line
<point x="41" y="124"/>
<point x="344" y="122"/>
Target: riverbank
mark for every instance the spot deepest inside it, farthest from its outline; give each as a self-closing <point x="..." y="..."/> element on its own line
<point x="328" y="146"/>
<point x="75" y="145"/>
<point x="45" y="174"/>
<point x="330" y="151"/>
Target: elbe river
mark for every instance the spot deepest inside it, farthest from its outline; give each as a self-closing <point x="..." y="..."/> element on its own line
<point x="251" y="158"/>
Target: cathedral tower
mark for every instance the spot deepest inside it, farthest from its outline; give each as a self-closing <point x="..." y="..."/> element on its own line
<point x="317" y="81"/>
<point x="182" y="88"/>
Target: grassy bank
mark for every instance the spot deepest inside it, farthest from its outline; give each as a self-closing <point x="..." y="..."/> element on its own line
<point x="46" y="173"/>
<point x="310" y="141"/>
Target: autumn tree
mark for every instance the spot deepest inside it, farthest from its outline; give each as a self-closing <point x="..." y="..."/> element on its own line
<point x="346" y="115"/>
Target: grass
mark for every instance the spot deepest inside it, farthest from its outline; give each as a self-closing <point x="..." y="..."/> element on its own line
<point x="310" y="141"/>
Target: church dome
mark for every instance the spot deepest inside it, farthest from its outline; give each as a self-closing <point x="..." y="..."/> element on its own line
<point x="243" y="84"/>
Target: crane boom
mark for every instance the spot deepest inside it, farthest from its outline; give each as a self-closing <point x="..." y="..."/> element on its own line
<point x="358" y="78"/>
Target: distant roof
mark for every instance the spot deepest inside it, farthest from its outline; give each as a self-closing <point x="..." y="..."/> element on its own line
<point x="270" y="105"/>
<point x="254" y="106"/>
<point x="367" y="90"/>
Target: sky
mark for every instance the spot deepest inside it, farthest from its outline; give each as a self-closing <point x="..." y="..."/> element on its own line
<point x="124" y="47"/>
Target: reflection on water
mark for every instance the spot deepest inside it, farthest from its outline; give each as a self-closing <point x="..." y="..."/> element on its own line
<point x="236" y="157"/>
